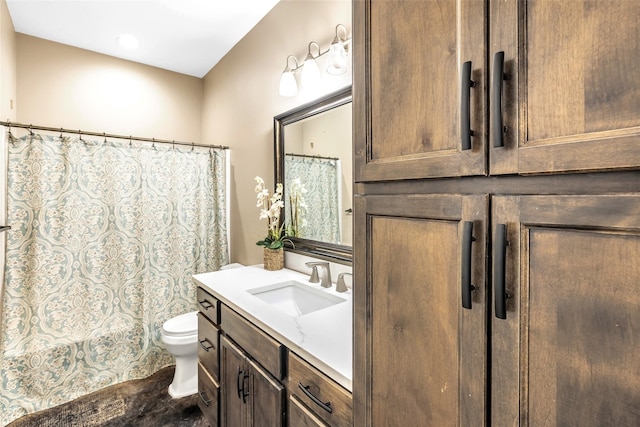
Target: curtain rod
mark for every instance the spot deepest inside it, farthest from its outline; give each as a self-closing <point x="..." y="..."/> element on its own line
<point x="108" y="135"/>
<point x="312" y="156"/>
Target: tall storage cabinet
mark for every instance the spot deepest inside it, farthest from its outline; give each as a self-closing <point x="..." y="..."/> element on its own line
<point x="497" y="230"/>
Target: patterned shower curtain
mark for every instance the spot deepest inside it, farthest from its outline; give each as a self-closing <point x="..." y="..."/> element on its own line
<point x="320" y="178"/>
<point x="105" y="237"/>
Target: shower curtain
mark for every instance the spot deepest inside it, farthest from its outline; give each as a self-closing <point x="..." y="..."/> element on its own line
<point x="105" y="237"/>
<point x="321" y="179"/>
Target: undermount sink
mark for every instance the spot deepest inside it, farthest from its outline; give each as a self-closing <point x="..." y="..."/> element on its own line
<point x="294" y="298"/>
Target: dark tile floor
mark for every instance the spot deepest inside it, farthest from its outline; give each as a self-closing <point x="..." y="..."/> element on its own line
<point x="139" y="403"/>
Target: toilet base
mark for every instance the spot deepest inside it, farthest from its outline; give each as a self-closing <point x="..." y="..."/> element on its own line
<point x="185" y="378"/>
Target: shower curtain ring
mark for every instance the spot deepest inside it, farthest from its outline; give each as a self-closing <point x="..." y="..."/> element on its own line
<point x="105" y="138"/>
<point x="193" y="145"/>
<point x="173" y="145"/>
<point x="154" y="143"/>
<point x="130" y="141"/>
<point x="61" y="136"/>
<point x="30" y="131"/>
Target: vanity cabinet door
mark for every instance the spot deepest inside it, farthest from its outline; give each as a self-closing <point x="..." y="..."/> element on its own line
<point x="571" y="90"/>
<point x="250" y="396"/>
<point x="565" y="349"/>
<point x="267" y="402"/>
<point x="421" y="354"/>
<point x="233" y="395"/>
<point x="407" y="103"/>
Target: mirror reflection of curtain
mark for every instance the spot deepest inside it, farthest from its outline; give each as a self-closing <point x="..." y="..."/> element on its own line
<point x="105" y="237"/>
<point x="321" y="178"/>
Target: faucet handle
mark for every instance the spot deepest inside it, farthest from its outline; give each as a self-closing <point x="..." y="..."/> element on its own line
<point x="314" y="272"/>
<point x="340" y="285"/>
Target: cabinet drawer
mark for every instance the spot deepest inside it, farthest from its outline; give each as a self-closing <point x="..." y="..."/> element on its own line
<point x="262" y="348"/>
<point x="209" y="306"/>
<point x="208" y="392"/>
<point x="301" y="416"/>
<point x="327" y="399"/>
<point x="208" y="336"/>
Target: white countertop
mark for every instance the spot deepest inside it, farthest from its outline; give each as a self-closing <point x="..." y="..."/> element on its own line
<point x="323" y="338"/>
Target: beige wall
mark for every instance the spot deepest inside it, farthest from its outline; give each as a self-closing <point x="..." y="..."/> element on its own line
<point x="241" y="98"/>
<point x="7" y="65"/>
<point x="63" y="86"/>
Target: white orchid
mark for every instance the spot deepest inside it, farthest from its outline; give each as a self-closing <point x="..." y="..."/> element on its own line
<point x="270" y="209"/>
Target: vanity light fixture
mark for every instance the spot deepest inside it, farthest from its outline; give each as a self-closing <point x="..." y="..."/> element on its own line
<point x="311" y="76"/>
<point x="337" y="61"/>
<point x="288" y="85"/>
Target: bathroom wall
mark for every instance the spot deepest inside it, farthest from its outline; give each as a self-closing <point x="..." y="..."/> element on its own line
<point x="7" y="64"/>
<point x="7" y="109"/>
<point x="241" y="98"/>
<point x="64" y="86"/>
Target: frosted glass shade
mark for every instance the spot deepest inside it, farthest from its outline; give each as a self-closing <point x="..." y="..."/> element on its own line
<point x="310" y="76"/>
<point x="288" y="85"/>
<point x="337" y="62"/>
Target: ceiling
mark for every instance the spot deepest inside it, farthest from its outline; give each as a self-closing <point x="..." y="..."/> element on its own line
<point x="184" y="36"/>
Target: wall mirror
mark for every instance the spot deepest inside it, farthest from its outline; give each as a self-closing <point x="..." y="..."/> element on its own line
<point x="313" y="152"/>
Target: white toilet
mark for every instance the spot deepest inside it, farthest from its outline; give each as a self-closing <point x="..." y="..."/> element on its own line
<point x="180" y="338"/>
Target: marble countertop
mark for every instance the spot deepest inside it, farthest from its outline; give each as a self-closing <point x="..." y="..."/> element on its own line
<point x="323" y="338"/>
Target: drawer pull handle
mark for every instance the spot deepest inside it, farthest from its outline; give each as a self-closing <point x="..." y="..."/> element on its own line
<point x="205" y="401"/>
<point x="326" y="406"/>
<point x="205" y="304"/>
<point x="206" y="347"/>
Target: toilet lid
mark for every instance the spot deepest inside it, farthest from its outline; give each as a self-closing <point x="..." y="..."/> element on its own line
<point x="184" y="324"/>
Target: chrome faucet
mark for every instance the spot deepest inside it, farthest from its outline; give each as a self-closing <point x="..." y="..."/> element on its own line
<point x="326" y="277"/>
<point x="340" y="285"/>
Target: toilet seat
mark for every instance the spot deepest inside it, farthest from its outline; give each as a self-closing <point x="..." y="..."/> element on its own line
<point x="182" y="325"/>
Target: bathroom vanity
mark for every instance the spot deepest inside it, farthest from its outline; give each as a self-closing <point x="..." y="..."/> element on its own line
<point x="274" y="349"/>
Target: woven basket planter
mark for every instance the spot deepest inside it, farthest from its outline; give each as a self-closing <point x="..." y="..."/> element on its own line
<point x="273" y="259"/>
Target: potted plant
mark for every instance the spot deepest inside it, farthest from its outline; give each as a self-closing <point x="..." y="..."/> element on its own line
<point x="270" y="209"/>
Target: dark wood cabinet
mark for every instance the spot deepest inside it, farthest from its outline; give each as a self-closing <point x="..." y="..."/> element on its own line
<point x="406" y="88"/>
<point x="573" y="311"/>
<point x="571" y="89"/>
<point x="250" y="395"/>
<point x="551" y="185"/>
<point x="558" y="80"/>
<point x="421" y="354"/>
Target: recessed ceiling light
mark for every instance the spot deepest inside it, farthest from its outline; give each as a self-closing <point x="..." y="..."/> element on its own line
<point x="128" y="41"/>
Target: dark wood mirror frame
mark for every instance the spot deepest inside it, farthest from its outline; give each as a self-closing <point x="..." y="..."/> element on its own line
<point x="329" y="251"/>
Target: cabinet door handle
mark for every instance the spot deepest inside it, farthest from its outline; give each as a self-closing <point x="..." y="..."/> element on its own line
<point x="326" y="406"/>
<point x="499" y="271"/>
<point x="465" y="106"/>
<point x="467" y="287"/>
<point x="205" y="401"/>
<point x="240" y="384"/>
<point x="206" y="347"/>
<point x="496" y="99"/>
<point x="205" y="304"/>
